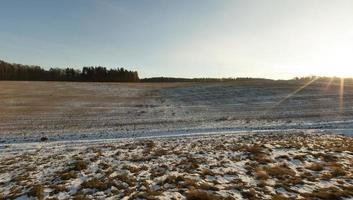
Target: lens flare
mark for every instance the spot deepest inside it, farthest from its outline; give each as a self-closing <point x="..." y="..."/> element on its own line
<point x="329" y="83"/>
<point x="342" y="95"/>
<point x="295" y="92"/>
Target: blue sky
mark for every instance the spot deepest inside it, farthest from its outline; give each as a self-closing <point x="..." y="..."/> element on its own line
<point x="184" y="38"/>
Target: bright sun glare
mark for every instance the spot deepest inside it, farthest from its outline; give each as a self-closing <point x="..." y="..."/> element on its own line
<point x="336" y="71"/>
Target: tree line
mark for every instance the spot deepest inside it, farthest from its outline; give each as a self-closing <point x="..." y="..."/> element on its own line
<point x="19" y="72"/>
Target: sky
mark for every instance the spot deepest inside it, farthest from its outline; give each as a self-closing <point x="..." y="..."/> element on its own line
<point x="183" y="38"/>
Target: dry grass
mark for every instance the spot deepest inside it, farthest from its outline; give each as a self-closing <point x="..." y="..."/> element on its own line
<point x="280" y="171"/>
<point x="130" y="180"/>
<point x="208" y="187"/>
<point x="279" y="197"/>
<point x="97" y="184"/>
<point x="261" y="174"/>
<point x="172" y="179"/>
<point x="148" y="195"/>
<point x="331" y="193"/>
<point x="66" y="175"/>
<point x="197" y="171"/>
<point x="315" y="167"/>
<point x="79" y="165"/>
<point x="57" y="188"/>
<point x="37" y="191"/>
<point x="250" y="194"/>
<point x="207" y="172"/>
<point x="200" y="195"/>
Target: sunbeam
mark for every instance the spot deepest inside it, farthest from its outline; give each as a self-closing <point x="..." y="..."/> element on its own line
<point x="329" y="83"/>
<point x="295" y="92"/>
<point x="342" y="95"/>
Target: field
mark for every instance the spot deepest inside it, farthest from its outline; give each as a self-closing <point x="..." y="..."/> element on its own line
<point x="221" y="140"/>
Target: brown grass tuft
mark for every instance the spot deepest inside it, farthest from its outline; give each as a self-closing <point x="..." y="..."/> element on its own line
<point x="79" y="165"/>
<point x="261" y="174"/>
<point x="200" y="195"/>
<point x="315" y="167"/>
<point x="37" y="191"/>
<point x="280" y="171"/>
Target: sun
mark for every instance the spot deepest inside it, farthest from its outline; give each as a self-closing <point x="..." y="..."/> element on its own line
<point x="325" y="59"/>
<point x="337" y="71"/>
<point x="327" y="71"/>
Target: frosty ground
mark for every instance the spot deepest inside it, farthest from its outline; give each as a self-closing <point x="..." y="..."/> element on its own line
<point x="234" y="140"/>
<point x="232" y="166"/>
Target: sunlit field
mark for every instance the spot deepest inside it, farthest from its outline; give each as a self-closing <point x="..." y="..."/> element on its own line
<point x="233" y="140"/>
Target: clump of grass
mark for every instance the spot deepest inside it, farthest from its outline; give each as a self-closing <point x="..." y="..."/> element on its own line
<point x="103" y="165"/>
<point x="326" y="176"/>
<point x="37" y="191"/>
<point x="337" y="171"/>
<point x="57" y="189"/>
<point x="130" y="168"/>
<point x="261" y="174"/>
<point x="280" y="171"/>
<point x="296" y="180"/>
<point x="140" y="158"/>
<point x="172" y="179"/>
<point x="250" y="194"/>
<point x="207" y="172"/>
<point x="143" y="168"/>
<point x="95" y="184"/>
<point x="315" y="167"/>
<point x="131" y="181"/>
<point x="79" y="197"/>
<point x="307" y="175"/>
<point x="200" y="195"/>
<point x="22" y="177"/>
<point x="330" y="193"/>
<point x="190" y="163"/>
<point x="299" y="157"/>
<point x="66" y="175"/>
<point x="188" y="183"/>
<point x="79" y="165"/>
<point x="14" y="193"/>
<point x="328" y="157"/>
<point x="159" y="152"/>
<point x="158" y="171"/>
<point x="255" y="149"/>
<point x="262" y="158"/>
<point x="257" y="153"/>
<point x="148" y="195"/>
<point x="285" y="157"/>
<point x="150" y="144"/>
<point x="279" y="197"/>
<point x="206" y="186"/>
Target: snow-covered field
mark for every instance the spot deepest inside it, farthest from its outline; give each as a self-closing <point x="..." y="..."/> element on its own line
<point x="295" y="165"/>
<point x="66" y="111"/>
<point x="235" y="140"/>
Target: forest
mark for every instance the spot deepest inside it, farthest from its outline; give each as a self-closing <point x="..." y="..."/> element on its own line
<point x="19" y="72"/>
